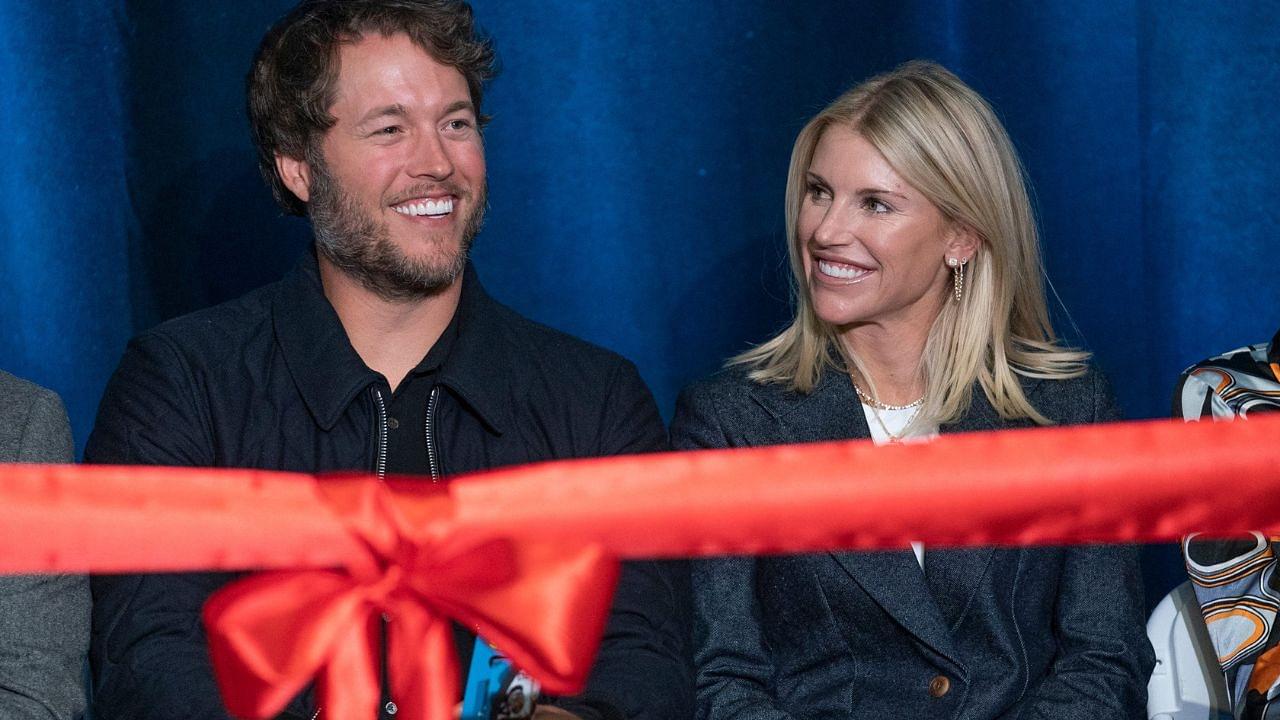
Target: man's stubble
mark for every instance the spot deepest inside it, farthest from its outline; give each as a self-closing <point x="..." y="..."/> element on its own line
<point x="360" y="245"/>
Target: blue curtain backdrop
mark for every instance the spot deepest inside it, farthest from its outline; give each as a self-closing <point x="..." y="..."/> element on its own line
<point x="637" y="162"/>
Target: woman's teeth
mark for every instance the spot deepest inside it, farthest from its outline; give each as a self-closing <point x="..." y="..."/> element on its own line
<point x="841" y="271"/>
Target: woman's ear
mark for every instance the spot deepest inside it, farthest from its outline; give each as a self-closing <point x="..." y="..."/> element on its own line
<point x="962" y="242"/>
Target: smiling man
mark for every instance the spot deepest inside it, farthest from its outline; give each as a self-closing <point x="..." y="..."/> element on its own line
<point x="379" y="352"/>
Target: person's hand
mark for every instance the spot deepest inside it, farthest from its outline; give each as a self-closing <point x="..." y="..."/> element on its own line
<point x="546" y="712"/>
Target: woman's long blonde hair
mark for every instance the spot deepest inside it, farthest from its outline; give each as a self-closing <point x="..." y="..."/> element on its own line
<point x="946" y="142"/>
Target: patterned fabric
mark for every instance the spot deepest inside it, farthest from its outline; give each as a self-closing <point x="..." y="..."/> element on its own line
<point x="1235" y="580"/>
<point x="1231" y="385"/>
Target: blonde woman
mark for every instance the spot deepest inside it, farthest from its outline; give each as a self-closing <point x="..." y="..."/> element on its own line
<point x="919" y="310"/>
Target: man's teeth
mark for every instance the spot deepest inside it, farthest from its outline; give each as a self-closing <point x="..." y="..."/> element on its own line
<point x="430" y="208"/>
<point x="844" y="272"/>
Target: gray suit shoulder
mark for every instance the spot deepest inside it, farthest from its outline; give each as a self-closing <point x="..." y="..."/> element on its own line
<point x="44" y="620"/>
<point x="14" y="386"/>
<point x="14" y="391"/>
<point x="33" y="423"/>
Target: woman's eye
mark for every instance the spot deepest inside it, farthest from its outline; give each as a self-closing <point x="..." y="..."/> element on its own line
<point x="876" y="206"/>
<point x="817" y="192"/>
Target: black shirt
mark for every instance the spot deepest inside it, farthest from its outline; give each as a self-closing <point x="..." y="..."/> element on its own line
<point x="271" y="381"/>
<point x="408" y="454"/>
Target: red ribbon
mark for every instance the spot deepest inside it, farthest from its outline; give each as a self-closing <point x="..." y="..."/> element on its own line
<point x="518" y="553"/>
<point x="543" y="604"/>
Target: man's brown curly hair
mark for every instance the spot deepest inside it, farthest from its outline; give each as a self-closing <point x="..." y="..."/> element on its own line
<point x="292" y="82"/>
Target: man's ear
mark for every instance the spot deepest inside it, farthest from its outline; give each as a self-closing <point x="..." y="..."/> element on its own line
<point x="296" y="175"/>
<point x="962" y="242"/>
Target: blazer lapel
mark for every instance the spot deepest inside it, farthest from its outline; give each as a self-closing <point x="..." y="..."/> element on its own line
<point x="892" y="578"/>
<point x="955" y="575"/>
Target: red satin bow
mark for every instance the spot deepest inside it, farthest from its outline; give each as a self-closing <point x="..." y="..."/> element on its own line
<point x="544" y="605"/>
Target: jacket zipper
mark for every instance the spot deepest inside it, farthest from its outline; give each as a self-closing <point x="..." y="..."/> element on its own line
<point x="380" y="457"/>
<point x="380" y="467"/>
<point x="433" y="458"/>
<point x="380" y="460"/>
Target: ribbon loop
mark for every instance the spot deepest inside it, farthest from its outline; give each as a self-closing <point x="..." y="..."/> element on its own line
<point x="271" y="634"/>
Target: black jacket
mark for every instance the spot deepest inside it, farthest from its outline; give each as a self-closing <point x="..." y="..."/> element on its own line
<point x="271" y="381"/>
<point x="980" y="633"/>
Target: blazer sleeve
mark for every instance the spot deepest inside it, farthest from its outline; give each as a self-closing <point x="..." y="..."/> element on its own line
<point x="733" y="669"/>
<point x="642" y="670"/>
<point x="1105" y="658"/>
<point x="44" y="620"/>
<point x="148" y="651"/>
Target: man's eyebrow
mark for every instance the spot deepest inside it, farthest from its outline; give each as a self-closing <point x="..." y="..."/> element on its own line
<point x="393" y="111"/>
<point x="460" y="105"/>
<point x="397" y="110"/>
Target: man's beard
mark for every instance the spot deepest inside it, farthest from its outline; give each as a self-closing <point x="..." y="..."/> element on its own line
<point x="361" y="246"/>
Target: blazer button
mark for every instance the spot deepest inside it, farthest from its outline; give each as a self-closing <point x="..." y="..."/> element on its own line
<point x="939" y="686"/>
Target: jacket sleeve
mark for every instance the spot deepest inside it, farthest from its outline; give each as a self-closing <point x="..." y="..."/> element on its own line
<point x="1105" y="658"/>
<point x="642" y="669"/>
<point x="148" y="650"/>
<point x="732" y="665"/>
<point x="44" y="620"/>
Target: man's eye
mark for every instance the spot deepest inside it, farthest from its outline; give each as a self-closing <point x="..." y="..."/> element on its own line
<point x="389" y="130"/>
<point x="459" y="125"/>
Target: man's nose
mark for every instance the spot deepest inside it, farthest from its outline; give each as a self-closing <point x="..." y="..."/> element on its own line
<point x="430" y="158"/>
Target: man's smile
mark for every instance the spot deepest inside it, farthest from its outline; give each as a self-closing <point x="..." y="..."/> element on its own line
<point x="430" y="207"/>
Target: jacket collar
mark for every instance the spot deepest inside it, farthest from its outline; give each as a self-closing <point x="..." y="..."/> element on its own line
<point x="329" y="373"/>
<point x="893" y="579"/>
<point x="827" y="413"/>
<point x="481" y="362"/>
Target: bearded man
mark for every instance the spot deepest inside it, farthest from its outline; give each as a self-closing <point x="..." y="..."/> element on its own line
<point x="380" y="352"/>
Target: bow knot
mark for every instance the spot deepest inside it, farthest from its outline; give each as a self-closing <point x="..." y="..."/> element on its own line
<point x="392" y="580"/>
<point x="272" y="634"/>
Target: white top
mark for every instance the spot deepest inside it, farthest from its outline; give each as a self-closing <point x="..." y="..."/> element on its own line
<point x="883" y="422"/>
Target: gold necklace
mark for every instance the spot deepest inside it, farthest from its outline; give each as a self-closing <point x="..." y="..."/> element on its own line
<point x="875" y="404"/>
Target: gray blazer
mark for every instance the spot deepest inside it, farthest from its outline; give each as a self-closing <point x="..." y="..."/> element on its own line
<point x="982" y="633"/>
<point x="44" y="620"/>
